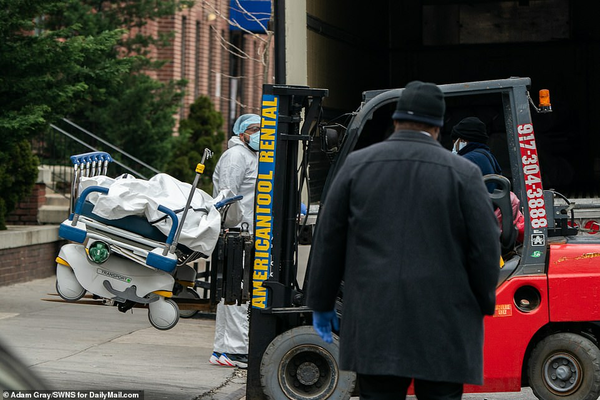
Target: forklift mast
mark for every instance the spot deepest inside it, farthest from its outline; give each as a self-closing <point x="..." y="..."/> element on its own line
<point x="274" y="297"/>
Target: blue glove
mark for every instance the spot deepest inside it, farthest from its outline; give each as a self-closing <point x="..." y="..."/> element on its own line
<point x="323" y="321"/>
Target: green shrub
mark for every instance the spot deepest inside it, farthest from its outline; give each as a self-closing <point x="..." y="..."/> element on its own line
<point x="202" y="129"/>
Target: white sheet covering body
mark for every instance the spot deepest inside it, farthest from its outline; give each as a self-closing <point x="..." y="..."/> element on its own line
<point x="130" y="196"/>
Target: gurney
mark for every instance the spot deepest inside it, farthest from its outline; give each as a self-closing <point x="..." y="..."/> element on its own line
<point x="133" y="239"/>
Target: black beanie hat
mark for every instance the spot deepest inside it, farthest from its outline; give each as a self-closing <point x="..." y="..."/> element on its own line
<point x="471" y="129"/>
<point x="421" y="102"/>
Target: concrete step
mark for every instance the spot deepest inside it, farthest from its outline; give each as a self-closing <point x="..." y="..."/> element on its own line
<point x="55" y="199"/>
<point x="48" y="214"/>
<point x="59" y="172"/>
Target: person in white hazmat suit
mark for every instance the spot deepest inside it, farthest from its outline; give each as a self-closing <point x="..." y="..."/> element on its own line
<point x="237" y="171"/>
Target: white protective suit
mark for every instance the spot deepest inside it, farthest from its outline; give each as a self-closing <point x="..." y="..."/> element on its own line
<point x="236" y="170"/>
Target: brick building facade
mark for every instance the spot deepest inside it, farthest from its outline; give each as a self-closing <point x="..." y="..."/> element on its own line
<point x="229" y="66"/>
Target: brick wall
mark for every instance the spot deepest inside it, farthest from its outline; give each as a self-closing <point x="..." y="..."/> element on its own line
<point x="26" y="211"/>
<point x="201" y="53"/>
<point x="22" y="264"/>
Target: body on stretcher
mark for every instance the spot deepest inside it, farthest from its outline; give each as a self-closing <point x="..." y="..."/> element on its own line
<point x="130" y="259"/>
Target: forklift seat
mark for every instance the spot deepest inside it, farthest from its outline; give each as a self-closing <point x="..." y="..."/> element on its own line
<point x="508" y="268"/>
<point x="501" y="200"/>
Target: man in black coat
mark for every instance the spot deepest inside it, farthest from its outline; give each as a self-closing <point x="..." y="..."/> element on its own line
<point x="410" y="229"/>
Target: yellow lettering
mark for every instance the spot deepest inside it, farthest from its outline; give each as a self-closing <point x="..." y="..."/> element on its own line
<point x="262" y="210"/>
<point x="269" y="112"/>
<point x="264" y="186"/>
<point x="264" y="233"/>
<point x="261" y="263"/>
<point x="267" y="144"/>
<point x="260" y="275"/>
<point x="271" y="102"/>
<point x="265" y="156"/>
<point x="267" y="134"/>
<point x="264" y="199"/>
<point x="262" y="245"/>
<point x="259" y="302"/>
<point x="268" y="176"/>
<point x="259" y="294"/>
<point x="258" y="288"/>
<point x="263" y="221"/>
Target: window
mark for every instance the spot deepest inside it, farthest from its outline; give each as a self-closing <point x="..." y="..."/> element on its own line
<point x="183" y="60"/>
<point x="197" y="62"/>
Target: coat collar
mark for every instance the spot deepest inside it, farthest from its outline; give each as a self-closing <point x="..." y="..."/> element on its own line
<point x="413" y="136"/>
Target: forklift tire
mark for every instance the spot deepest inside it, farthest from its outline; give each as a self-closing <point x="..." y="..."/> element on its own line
<point x="188" y="293"/>
<point x="299" y="365"/>
<point x="565" y="366"/>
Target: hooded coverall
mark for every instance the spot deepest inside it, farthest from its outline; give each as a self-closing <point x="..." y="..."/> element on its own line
<point x="237" y="171"/>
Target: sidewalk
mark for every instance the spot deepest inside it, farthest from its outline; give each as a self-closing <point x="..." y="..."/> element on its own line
<point x="94" y="347"/>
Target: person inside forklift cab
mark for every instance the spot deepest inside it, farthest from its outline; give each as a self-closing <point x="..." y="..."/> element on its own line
<point x="470" y="141"/>
<point x="236" y="171"/>
<point x="413" y="299"/>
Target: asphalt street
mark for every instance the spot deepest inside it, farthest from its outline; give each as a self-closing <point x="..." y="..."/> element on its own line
<point x="94" y="347"/>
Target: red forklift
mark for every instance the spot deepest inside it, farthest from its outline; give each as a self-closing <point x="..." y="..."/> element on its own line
<point x="547" y="324"/>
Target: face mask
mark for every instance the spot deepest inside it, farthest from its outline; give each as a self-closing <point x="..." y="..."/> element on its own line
<point x="461" y="145"/>
<point x="254" y="142"/>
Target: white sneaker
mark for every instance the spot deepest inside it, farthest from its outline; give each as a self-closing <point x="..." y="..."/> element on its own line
<point x="214" y="358"/>
<point x="234" y="360"/>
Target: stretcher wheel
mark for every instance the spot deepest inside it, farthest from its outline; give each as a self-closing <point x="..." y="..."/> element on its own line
<point x="565" y="366"/>
<point x="188" y="293"/>
<point x="163" y="314"/>
<point x="67" y="285"/>
<point x="299" y="365"/>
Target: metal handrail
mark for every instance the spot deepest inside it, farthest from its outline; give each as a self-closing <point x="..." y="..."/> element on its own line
<point x="133" y="172"/>
<point x="56" y="146"/>
<point x="111" y="146"/>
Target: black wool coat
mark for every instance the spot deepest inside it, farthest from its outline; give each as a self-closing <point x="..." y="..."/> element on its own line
<point x="410" y="228"/>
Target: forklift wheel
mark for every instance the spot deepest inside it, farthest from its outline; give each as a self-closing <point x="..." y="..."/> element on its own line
<point x="188" y="293"/>
<point x="299" y="365"/>
<point x="565" y="366"/>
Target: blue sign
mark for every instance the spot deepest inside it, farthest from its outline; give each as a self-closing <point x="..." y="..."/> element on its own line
<point x="250" y="15"/>
<point x="263" y="213"/>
